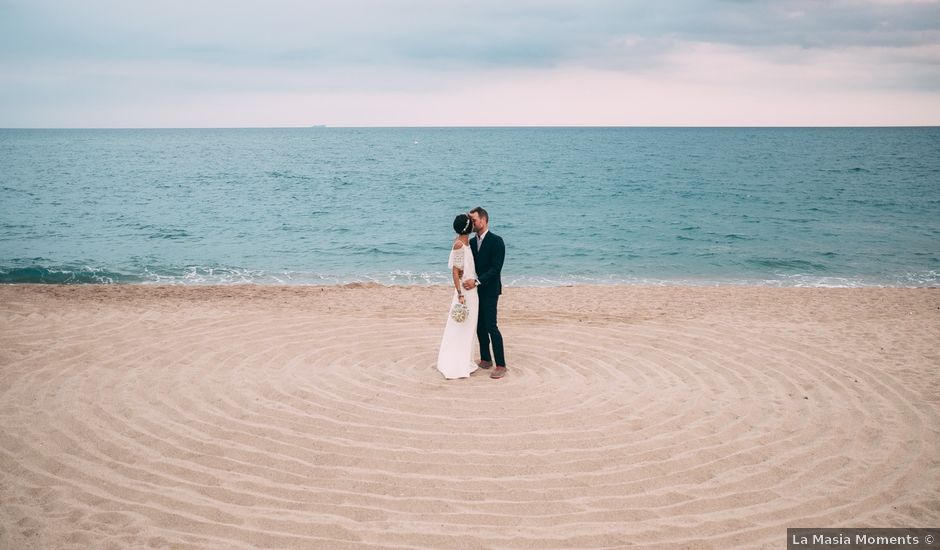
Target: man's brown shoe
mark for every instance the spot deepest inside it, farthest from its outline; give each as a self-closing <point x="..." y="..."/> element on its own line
<point x="484" y="364"/>
<point x="498" y="372"/>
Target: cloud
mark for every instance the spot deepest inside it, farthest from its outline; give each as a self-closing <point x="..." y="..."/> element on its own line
<point x="134" y="53"/>
<point x="479" y="33"/>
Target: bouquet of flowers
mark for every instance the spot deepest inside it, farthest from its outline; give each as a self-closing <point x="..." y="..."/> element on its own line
<point x="459" y="312"/>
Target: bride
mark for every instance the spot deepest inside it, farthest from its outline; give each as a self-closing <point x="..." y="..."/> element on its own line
<point x="455" y="358"/>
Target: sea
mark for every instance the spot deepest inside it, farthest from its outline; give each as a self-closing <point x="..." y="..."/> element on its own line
<point x="833" y="207"/>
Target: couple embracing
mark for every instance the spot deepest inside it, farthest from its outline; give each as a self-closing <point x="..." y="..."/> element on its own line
<point x="475" y="266"/>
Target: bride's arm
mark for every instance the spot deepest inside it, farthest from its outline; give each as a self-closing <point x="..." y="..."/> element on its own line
<point x="458" y="274"/>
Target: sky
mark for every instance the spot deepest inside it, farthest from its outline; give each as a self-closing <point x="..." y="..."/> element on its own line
<point x="286" y="63"/>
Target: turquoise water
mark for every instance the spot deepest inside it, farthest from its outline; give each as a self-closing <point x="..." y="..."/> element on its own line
<point x="774" y="206"/>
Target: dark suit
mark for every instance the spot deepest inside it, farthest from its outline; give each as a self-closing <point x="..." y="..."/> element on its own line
<point x="489" y="263"/>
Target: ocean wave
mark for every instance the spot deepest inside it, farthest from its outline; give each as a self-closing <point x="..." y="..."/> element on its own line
<point x="277" y="174"/>
<point x="75" y="274"/>
<point x="170" y="234"/>
<point x="787" y="265"/>
<point x="355" y="250"/>
<point x="66" y="275"/>
<point x="852" y="170"/>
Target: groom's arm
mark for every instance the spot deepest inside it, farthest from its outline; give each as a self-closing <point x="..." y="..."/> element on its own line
<point x="491" y="274"/>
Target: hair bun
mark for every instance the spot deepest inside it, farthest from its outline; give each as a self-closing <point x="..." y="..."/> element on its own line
<point x="463" y="224"/>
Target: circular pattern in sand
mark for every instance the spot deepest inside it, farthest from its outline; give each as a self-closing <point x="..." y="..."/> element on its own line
<point x="239" y="431"/>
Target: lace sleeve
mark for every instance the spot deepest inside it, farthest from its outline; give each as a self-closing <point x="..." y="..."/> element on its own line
<point x="456" y="258"/>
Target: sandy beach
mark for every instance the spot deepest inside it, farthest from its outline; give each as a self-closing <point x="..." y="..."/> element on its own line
<point x="313" y="417"/>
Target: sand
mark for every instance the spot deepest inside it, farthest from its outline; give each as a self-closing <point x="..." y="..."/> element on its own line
<point x="308" y="417"/>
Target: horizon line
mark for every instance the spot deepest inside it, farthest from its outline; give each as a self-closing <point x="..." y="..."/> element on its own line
<point x="468" y="126"/>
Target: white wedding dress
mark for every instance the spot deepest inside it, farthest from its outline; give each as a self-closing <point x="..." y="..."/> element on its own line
<point x="455" y="358"/>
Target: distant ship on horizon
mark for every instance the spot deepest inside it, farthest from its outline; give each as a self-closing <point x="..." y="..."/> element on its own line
<point x="318" y="126"/>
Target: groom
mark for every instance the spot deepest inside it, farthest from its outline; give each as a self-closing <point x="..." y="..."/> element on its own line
<point x="488" y="254"/>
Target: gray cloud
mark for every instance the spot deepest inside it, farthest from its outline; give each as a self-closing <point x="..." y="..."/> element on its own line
<point x="69" y="52"/>
<point x="431" y="33"/>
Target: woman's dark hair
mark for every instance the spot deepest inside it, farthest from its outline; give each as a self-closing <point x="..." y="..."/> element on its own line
<point x="463" y="225"/>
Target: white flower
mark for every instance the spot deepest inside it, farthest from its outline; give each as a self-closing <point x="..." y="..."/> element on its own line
<point x="459" y="312"/>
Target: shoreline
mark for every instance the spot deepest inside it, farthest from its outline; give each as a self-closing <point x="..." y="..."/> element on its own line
<point x="254" y="290"/>
<point x="224" y="277"/>
<point x="640" y="283"/>
<point x="582" y="302"/>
